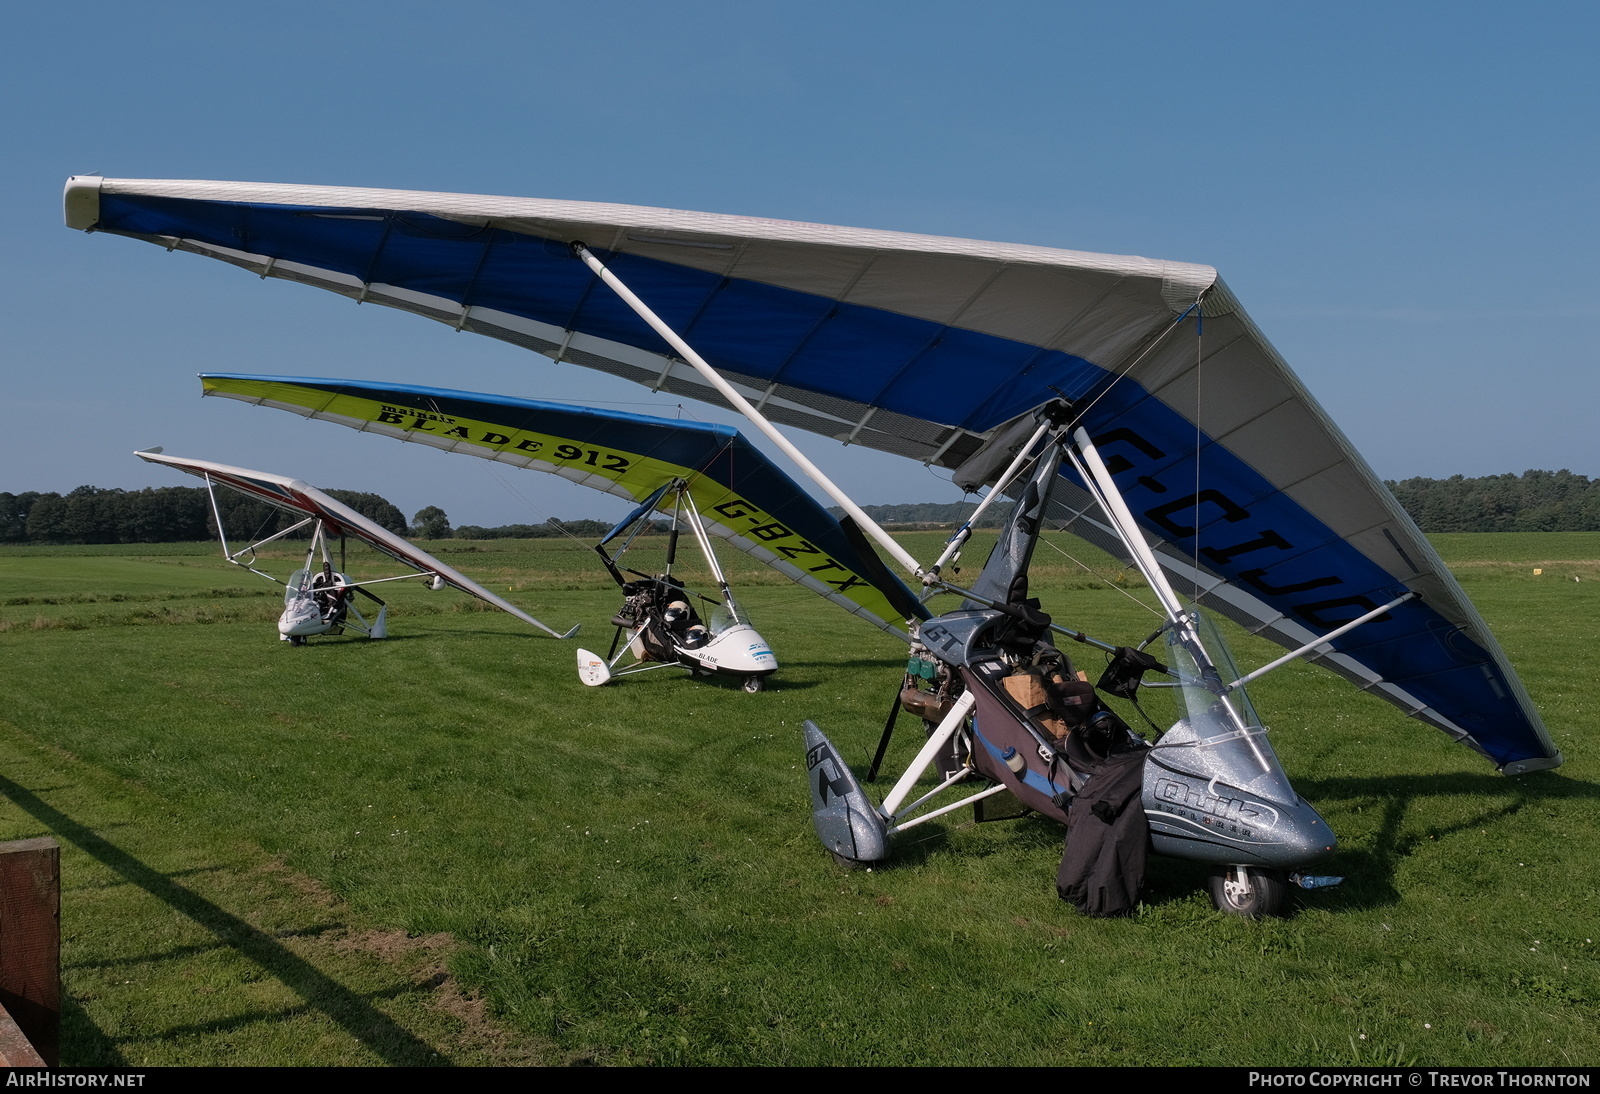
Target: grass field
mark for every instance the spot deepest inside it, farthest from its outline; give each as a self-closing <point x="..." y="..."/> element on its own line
<point x="442" y="848"/>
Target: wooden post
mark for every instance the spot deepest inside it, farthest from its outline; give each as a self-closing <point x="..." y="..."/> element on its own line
<point x="30" y="945"/>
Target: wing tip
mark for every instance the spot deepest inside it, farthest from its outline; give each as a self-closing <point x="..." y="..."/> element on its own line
<point x="1533" y="763"/>
<point x="80" y="202"/>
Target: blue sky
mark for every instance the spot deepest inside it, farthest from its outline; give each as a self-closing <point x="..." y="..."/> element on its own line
<point x="1402" y="195"/>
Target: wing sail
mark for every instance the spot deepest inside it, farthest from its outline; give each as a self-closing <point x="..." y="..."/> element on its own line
<point x="742" y="497"/>
<point x="300" y="499"/>
<point x="643" y="509"/>
<point x="926" y="347"/>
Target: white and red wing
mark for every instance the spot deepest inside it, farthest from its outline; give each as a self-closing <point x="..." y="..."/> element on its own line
<point x="297" y="497"/>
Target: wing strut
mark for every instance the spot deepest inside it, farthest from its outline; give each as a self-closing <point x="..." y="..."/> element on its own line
<point x="699" y="530"/>
<point x="741" y="404"/>
<point x="222" y="533"/>
<point x="1092" y="470"/>
<point x="964" y="533"/>
<point x="1184" y="624"/>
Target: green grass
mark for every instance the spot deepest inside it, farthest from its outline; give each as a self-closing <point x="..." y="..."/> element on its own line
<point x="628" y="874"/>
<point x="190" y="945"/>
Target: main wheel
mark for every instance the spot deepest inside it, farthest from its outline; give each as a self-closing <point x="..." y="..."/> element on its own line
<point x="753" y="684"/>
<point x="1248" y="891"/>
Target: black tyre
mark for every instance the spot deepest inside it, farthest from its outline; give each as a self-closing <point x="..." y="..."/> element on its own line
<point x="849" y="863"/>
<point x="753" y="684"/>
<point x="1248" y="891"/>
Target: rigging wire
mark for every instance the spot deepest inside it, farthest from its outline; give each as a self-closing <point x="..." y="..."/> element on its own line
<point x="532" y="508"/>
<point x="1199" y="394"/>
<point x="1101" y="577"/>
<point x="1078" y="418"/>
<point x="494" y="470"/>
<point x="1199" y="314"/>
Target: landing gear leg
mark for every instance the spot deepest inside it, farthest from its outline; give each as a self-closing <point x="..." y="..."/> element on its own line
<point x="1248" y="891"/>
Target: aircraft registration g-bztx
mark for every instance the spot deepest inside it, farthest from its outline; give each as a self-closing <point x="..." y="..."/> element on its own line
<point x="322" y="602"/>
<point x="1249" y="501"/>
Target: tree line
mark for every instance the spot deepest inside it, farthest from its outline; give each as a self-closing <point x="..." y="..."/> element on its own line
<point x="178" y="514"/>
<point x="929" y="514"/>
<point x="434" y="523"/>
<point x="167" y="514"/>
<point x="1534" y="501"/>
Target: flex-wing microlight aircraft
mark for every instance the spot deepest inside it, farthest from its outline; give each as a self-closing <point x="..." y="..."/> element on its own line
<point x="658" y="614"/>
<point x="1227" y="474"/>
<point x="706" y="479"/>
<point x="321" y="600"/>
<point x="1007" y="712"/>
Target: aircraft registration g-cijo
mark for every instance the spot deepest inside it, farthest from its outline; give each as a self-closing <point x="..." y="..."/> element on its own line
<point x="988" y="359"/>
<point x="706" y="478"/>
<point x="319" y="601"/>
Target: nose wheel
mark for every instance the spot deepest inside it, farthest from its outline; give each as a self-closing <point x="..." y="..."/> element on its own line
<point x="753" y="684"/>
<point x="1248" y="891"/>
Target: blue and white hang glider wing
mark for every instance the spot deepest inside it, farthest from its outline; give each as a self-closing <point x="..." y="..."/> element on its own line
<point x="930" y="348"/>
<point x="300" y="499"/>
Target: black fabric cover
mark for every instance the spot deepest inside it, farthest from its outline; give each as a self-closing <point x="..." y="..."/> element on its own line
<point x="1123" y="674"/>
<point x="1108" y="837"/>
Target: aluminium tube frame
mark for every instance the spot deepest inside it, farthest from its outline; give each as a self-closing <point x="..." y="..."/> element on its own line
<point x="1100" y="484"/>
<point x="697" y="526"/>
<point x="740" y="403"/>
<point x="936" y="740"/>
<point x="893" y="808"/>
<point x="964" y="533"/>
<point x="1324" y="640"/>
<point x="1105" y="491"/>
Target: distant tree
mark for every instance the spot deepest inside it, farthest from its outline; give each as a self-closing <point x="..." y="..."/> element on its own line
<point x="246" y="519"/>
<point x="91" y="515"/>
<point x="431" y="523"/>
<point x="1535" y="501"/>
<point x="931" y="512"/>
<point x="583" y="529"/>
<point x="14" y="509"/>
<point x="170" y="514"/>
<point x="44" y="519"/>
<point x="504" y="531"/>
